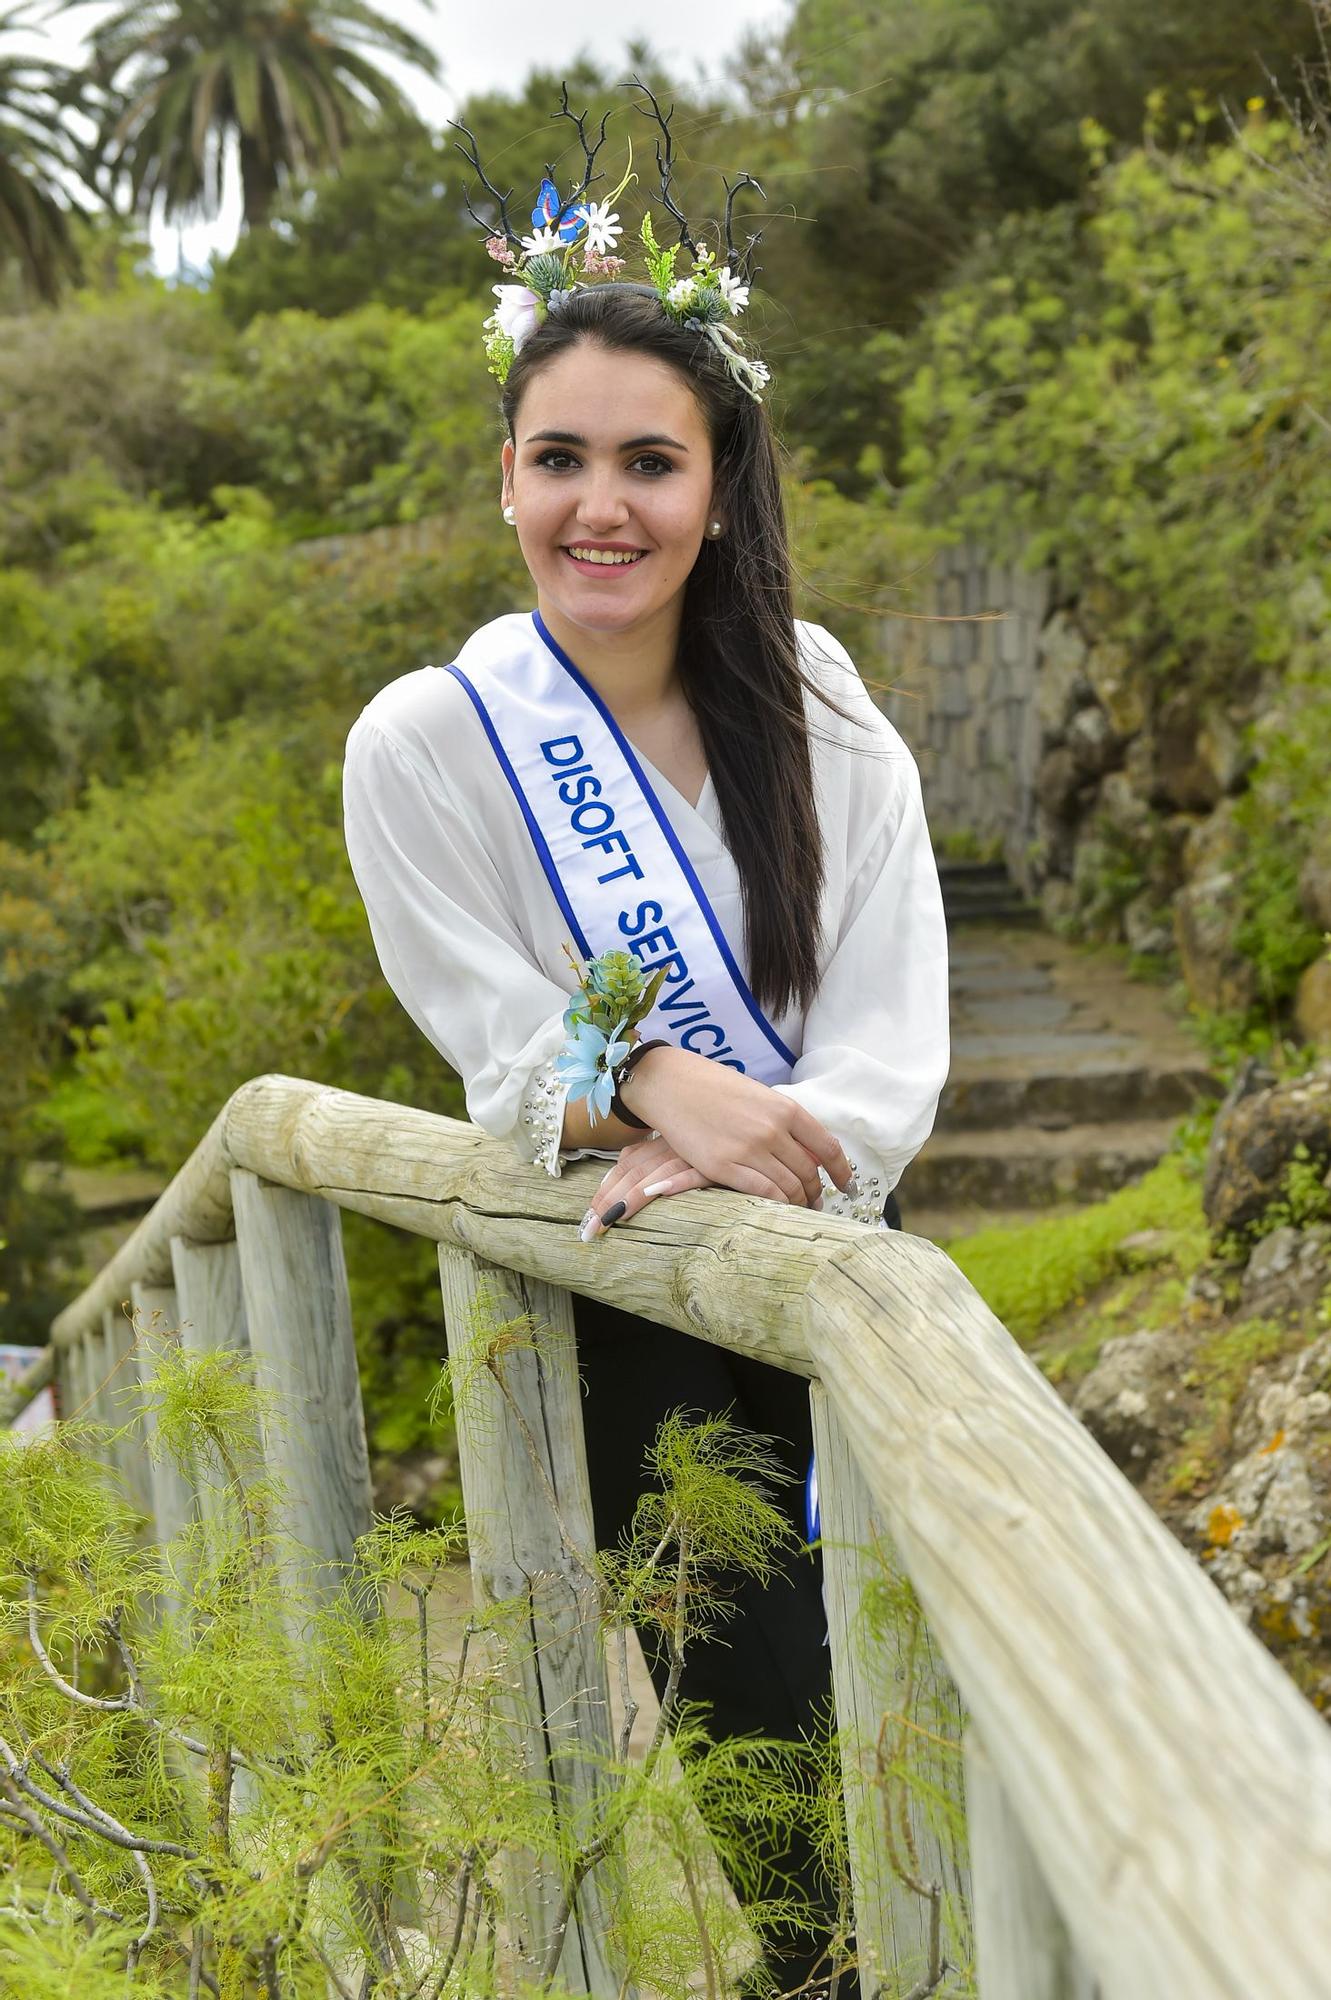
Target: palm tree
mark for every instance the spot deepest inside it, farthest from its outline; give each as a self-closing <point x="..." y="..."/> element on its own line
<point x="290" y="80"/>
<point x="36" y="167"/>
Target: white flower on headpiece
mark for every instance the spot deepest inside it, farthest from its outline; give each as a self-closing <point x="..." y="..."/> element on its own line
<point x="544" y="240"/>
<point x="604" y="229"/>
<point x="733" y="290"/>
<point x="515" y="314"/>
<point x="681" y="292"/>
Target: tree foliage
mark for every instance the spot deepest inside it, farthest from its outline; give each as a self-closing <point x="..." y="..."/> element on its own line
<point x="291" y="80"/>
<point x="36" y="160"/>
<point x="223" y="1761"/>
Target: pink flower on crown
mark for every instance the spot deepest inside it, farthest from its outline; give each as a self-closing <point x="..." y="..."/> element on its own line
<point x="516" y="312"/>
<point x="600" y="266"/>
<point x="501" y="251"/>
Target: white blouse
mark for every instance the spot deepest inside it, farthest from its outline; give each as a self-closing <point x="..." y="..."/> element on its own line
<point x="471" y="939"/>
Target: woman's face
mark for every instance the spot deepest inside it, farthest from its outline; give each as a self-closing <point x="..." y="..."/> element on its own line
<point x="612" y="455"/>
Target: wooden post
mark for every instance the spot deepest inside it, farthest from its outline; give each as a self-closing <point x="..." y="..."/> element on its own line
<point x="1024" y="1950"/>
<point x="212" y="1318"/>
<point x="69" y="1382"/>
<point x="530" y="1534"/>
<point x="122" y="1376"/>
<point x="170" y="1488"/>
<point x="893" y="1920"/>
<point x="298" y="1313"/>
<point x="94" y="1382"/>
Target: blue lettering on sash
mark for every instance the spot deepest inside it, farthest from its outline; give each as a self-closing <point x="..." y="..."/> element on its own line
<point x="592" y="818"/>
<point x="657" y="948"/>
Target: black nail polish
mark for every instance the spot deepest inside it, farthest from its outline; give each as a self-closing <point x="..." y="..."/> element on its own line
<point x="613" y="1213"/>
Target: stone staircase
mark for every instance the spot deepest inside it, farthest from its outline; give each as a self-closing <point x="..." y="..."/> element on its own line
<point x="1068" y="1077"/>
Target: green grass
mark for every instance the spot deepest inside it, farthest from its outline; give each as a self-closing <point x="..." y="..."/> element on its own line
<point x="1029" y="1274"/>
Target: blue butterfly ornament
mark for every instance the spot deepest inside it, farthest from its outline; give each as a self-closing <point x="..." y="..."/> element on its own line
<point x="547" y="208"/>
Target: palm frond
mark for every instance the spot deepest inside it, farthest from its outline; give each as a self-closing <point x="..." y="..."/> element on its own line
<point x="292" y="79"/>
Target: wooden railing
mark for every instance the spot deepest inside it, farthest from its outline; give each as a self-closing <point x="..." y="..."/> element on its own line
<point x="1148" y="1797"/>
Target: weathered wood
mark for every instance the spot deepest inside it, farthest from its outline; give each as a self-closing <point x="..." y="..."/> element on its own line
<point x="530" y="1535"/>
<point x="210" y="1296"/>
<point x="196" y="1203"/>
<point x="171" y="1491"/>
<point x="298" y="1314"/>
<point x="1174" y="1786"/>
<point x="93" y="1343"/>
<point x="1023" y="1949"/>
<point x="71" y="1375"/>
<point x="119" y="1399"/>
<point x="895" y="1702"/>
<point x="448" y="1181"/>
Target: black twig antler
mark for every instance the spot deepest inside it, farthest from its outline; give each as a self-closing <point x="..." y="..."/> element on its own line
<point x="511" y="234"/>
<point x="665" y="162"/>
<point x="589" y="153"/>
<point x="740" y="262"/>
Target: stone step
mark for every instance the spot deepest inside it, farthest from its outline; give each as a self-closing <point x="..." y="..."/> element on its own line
<point x="1027" y="1168"/>
<point x="986" y="1099"/>
<point x="973" y="872"/>
<point x="976" y="910"/>
<point x="983" y="892"/>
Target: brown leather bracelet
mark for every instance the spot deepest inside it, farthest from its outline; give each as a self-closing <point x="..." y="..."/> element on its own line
<point x="617" y="1104"/>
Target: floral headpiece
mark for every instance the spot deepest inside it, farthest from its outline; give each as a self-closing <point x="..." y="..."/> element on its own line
<point x="575" y="240"/>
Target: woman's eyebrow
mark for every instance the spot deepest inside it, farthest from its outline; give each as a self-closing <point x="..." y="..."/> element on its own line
<point x="629" y="444"/>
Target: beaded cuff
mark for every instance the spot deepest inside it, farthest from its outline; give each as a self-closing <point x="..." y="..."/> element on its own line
<point x="542" y="1117"/>
<point x="866" y="1206"/>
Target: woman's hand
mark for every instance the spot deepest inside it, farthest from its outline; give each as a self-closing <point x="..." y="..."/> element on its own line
<point x="646" y="1168"/>
<point x="718" y="1128"/>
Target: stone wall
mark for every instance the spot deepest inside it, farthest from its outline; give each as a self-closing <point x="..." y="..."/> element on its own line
<point x="964" y="694"/>
<point x="1109" y="791"/>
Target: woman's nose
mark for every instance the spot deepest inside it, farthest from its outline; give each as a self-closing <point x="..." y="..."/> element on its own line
<point x="602" y="504"/>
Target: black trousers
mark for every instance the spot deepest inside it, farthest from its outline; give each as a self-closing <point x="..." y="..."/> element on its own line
<point x="765" y="1670"/>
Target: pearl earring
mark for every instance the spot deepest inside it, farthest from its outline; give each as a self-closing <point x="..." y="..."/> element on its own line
<point x="511" y="516"/>
<point x="714" y="529"/>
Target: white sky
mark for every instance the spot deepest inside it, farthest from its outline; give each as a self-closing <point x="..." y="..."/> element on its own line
<point x="691" y="37"/>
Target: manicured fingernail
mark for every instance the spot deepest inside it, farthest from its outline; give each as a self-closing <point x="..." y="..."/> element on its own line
<point x="606" y="1175"/>
<point x="589" y="1226"/>
<point x="657" y="1187"/>
<point x="852" y="1188"/>
<point x="613" y="1213"/>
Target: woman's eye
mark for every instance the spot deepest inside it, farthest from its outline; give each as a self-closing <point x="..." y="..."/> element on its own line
<point x="653" y="459"/>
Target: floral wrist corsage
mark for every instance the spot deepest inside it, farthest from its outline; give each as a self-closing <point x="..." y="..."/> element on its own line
<point x="612" y="998"/>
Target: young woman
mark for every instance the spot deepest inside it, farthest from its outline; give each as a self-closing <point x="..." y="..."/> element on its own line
<point x="661" y="756"/>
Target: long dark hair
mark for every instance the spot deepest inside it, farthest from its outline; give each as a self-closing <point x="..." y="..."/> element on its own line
<point x="738" y="660"/>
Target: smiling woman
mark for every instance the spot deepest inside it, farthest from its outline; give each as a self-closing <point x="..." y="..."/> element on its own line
<point x="631" y="489"/>
<point x="661" y="759"/>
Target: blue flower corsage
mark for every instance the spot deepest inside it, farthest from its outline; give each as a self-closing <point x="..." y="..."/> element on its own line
<point x="611" y="1000"/>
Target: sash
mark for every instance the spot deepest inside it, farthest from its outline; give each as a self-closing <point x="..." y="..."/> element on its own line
<point x="612" y="858"/>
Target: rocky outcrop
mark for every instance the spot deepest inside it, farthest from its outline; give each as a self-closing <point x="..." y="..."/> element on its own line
<point x="1261" y="1129"/>
<point x="1223" y="1420"/>
<point x="1312" y="1004"/>
<point x="1130" y="1402"/>
<point x="1135" y="781"/>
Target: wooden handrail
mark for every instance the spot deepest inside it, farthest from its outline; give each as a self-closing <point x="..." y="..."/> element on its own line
<point x="1156" y="1794"/>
